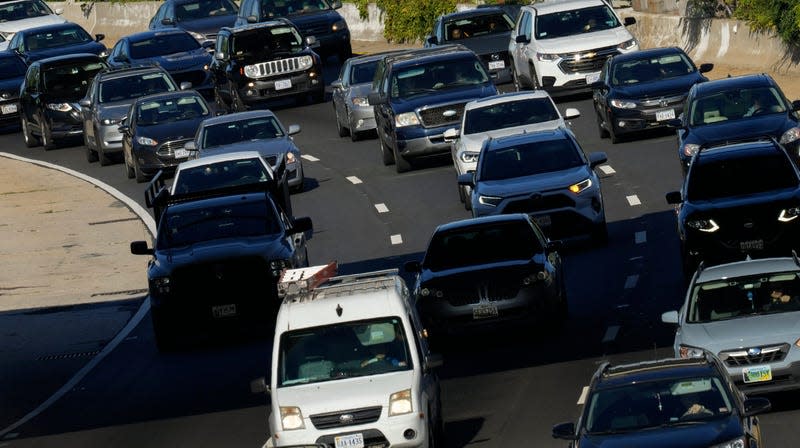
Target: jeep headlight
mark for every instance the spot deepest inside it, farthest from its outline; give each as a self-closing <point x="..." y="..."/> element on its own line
<point x="690" y="149"/>
<point x="406" y="119"/>
<point x="469" y="156"/>
<point x="339" y="25"/>
<point x="400" y="403"/>
<point x="291" y="418"/>
<point x="252" y="71"/>
<point x="305" y="62"/>
<point x="627" y="45"/>
<point x="703" y="225"/>
<point x="790" y="136"/>
<point x="623" y="104"/>
<point x="735" y="443"/>
<point x="360" y="101"/>
<point x="687" y="351"/>
<point x="492" y="201"/>
<point x="580" y="186"/>
<point x="59" y="107"/>
<point x="146" y="141"/>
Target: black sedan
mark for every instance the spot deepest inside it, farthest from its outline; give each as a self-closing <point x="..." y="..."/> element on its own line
<point x="643" y="89"/>
<point x="55" y="40"/>
<point x="12" y="72"/>
<point x="156" y="129"/>
<point x="201" y="18"/>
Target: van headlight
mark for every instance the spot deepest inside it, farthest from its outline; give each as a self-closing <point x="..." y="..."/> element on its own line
<point x="406" y="119"/>
<point x="400" y="403"/>
<point x="291" y="418"/>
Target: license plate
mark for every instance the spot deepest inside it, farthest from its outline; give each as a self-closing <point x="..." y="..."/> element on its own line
<point x="592" y="78"/>
<point x="494" y="65"/>
<point x="223" y="310"/>
<point x="349" y="441"/>
<point x="10" y="109"/>
<point x="543" y="220"/>
<point x="484" y="311"/>
<point x="668" y="114"/>
<point x="282" y="84"/>
<point x="751" y="245"/>
<point x="181" y="153"/>
<point x="757" y="374"/>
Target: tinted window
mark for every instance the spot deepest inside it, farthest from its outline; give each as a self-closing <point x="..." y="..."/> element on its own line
<point x="170" y="109"/>
<point x="220" y="174"/>
<point x="70" y="80"/>
<point x="477" y="26"/>
<point x="261" y="42"/>
<point x="435" y="76"/>
<point x="119" y="89"/>
<point x="52" y="39"/>
<point x="737" y="176"/>
<point x="23" y="10"/>
<point x="245" y="130"/>
<point x="12" y="68"/>
<point x="363" y="73"/>
<point x="735" y="104"/>
<point x="577" y="21"/>
<point x="163" y="45"/>
<point x="481" y="245"/>
<point x="278" y="8"/>
<point x="744" y="296"/>
<point x="204" y="8"/>
<point x="509" y="114"/>
<point x="529" y="158"/>
<point x="651" y="69"/>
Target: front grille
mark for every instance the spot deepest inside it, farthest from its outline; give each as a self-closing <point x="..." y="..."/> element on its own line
<point x="586" y="61"/>
<point x="490" y="57"/>
<point x="664" y="101"/>
<point x="279" y="67"/>
<point x="346" y="418"/>
<point x="223" y="281"/>
<point x="755" y="355"/>
<point x="500" y="292"/>
<point x="315" y="29"/>
<point x="168" y="149"/>
<point x="539" y="203"/>
<point x="196" y="77"/>
<point x="435" y="116"/>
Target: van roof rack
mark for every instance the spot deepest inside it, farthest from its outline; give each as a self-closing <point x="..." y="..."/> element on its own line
<point x="316" y="282"/>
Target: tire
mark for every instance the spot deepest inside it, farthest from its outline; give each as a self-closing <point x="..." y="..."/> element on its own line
<point x="465" y="198"/>
<point x="164" y="335"/>
<point x="401" y="164"/>
<point x="341" y="130"/>
<point x="388" y="156"/>
<point x="611" y="133"/>
<point x="103" y="157"/>
<point x="47" y="137"/>
<point x="129" y="170"/>
<point x="600" y="129"/>
<point x="534" y="79"/>
<point x="31" y="141"/>
<point x="137" y="172"/>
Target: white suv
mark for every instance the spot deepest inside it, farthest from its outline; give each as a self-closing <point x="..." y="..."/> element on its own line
<point x="561" y="45"/>
<point x="350" y="364"/>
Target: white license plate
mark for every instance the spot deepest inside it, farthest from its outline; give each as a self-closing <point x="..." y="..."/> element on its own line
<point x="181" y="153"/>
<point x="751" y="245"/>
<point x="494" y="65"/>
<point x="485" y="311"/>
<point x="282" y="84"/>
<point x="668" y="114"/>
<point x="349" y="441"/>
<point x="592" y="78"/>
<point x="10" y="109"/>
<point x="223" y="310"/>
<point x="757" y="374"/>
<point x="542" y="220"/>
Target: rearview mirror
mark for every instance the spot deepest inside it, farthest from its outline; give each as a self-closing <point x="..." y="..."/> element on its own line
<point x="220" y="56"/>
<point x="670" y="317"/>
<point x="432" y="40"/>
<point x="123" y="129"/>
<point x="674" y="123"/>
<point x="311" y="41"/>
<point x="337" y="84"/>
<point x="451" y="134"/>
<point x="293" y="129"/>
<point x="259" y="386"/>
<point x="521" y="39"/>
<point x="674" y="197"/>
<point x="433" y="360"/>
<point x="167" y="21"/>
<point x="796" y="105"/>
<point x="140" y="248"/>
<point x="336" y="4"/>
<point x="208" y="44"/>
<point x="555" y="245"/>
<point x="59" y="11"/>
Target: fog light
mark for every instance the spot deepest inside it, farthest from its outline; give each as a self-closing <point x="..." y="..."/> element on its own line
<point x="251" y="84"/>
<point x="359" y="123"/>
<point x="409" y="434"/>
<point x="621" y="124"/>
<point x="251" y="92"/>
<point x="315" y="81"/>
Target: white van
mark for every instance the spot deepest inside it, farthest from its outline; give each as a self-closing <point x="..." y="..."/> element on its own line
<point x="350" y="364"/>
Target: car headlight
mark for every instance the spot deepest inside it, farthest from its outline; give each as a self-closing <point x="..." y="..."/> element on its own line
<point x="580" y="186"/>
<point x="797" y="343"/>
<point x="161" y="285"/>
<point x="291" y="418"/>
<point x="59" y="107"/>
<point x="103" y="54"/>
<point x="110" y="121"/>
<point x="252" y="71"/>
<point x="431" y="292"/>
<point x="627" y="45"/>
<point x="406" y="119"/>
<point x="547" y="56"/>
<point x="305" y="62"/>
<point x="360" y="101"/>
<point x="400" y="403"/>
<point x="687" y="351"/>
<point x="492" y="201"/>
<point x="690" y="149"/>
<point x="146" y="141"/>
<point x="290" y="157"/>
<point x="703" y="225"/>
<point x="735" y="443"/>
<point x="623" y="104"/>
<point x="789" y="214"/>
<point x="206" y="67"/>
<point x="790" y="136"/>
<point x="339" y="26"/>
<point x="198" y="36"/>
<point x="469" y="156"/>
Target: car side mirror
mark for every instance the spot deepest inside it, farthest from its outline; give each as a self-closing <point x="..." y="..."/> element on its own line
<point x="252" y="19"/>
<point x="294" y="129"/>
<point x="674" y="197"/>
<point x="336" y="4"/>
<point x="564" y="431"/>
<point x="260" y="386"/>
<point x="190" y="146"/>
<point x="628" y="21"/>
<point x="375" y="99"/>
<point x="412" y="266"/>
<point x="571" y="112"/>
<point x="521" y="39"/>
<point x="59" y="11"/>
<point x="220" y="56"/>
<point x="337" y="84"/>
<point x="85" y="102"/>
<point x="670" y="317"/>
<point x="451" y="134"/>
<point x="432" y="40"/>
<point x="433" y="361"/>
<point x="674" y="123"/>
<point x="167" y="21"/>
<point x="705" y="68"/>
<point x="596" y="158"/>
<point x="796" y="105"/>
<point x="99" y="37"/>
<point x="311" y="41"/>
<point x="301" y="225"/>
<point x="467" y="179"/>
<point x="186" y="85"/>
<point x="756" y="405"/>
<point x="124" y="129"/>
<point x="140" y="248"/>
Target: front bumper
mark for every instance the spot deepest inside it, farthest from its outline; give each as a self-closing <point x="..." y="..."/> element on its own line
<point x="785" y="376"/>
<point x="254" y="91"/>
<point x="152" y="160"/>
<point x="294" y="174"/>
<point x="64" y="124"/>
<point x="362" y="118"/>
<point x="416" y="141"/>
<point x="9" y="112"/>
<point x="632" y="120"/>
<point x="387" y="431"/>
<point x="715" y="249"/>
<point x="109" y="138"/>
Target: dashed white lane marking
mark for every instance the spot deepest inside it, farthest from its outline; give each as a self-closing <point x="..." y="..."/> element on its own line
<point x="606" y="169"/>
<point x="382" y="208"/>
<point x="641" y="237"/>
<point x="354" y="180"/>
<point x="611" y="333"/>
<point x="310" y="158"/>
<point x="397" y="239"/>
<point x="584" y="394"/>
<point x="633" y="200"/>
<point x="631" y="281"/>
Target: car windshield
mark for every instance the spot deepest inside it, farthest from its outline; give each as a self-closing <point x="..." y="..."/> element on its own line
<point x="732" y="298"/>
<point x="221" y="174"/>
<point x="472" y="246"/>
<point x="128" y="87"/>
<point x="654" y="68"/>
<point x="221" y="134"/>
<point x="23" y="10"/>
<point x="12" y="67"/>
<point x="279" y="8"/>
<point x="576" y="21"/>
<point x="70" y="81"/>
<point x="509" y="114"/>
<point x="170" y="109"/>
<point x="343" y="350"/>
<point x="436" y="76"/>
<point x="363" y="73"/>
<point x="261" y="42"/>
<point x="57" y="38"/>
<point x="527" y="159"/>
<point x="161" y="45"/>
<point x="659" y="403"/>
<point x="236" y="220"/>
<point x="740" y="176"/>
<point x="480" y="25"/>
<point x="204" y="8"/>
<point x="735" y="105"/>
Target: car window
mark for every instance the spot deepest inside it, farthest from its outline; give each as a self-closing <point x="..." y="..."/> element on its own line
<point x="528" y="159"/>
<point x="576" y="21"/>
<point x="739" y="176"/>
<point x="481" y="25"/>
<point x="70" y="80"/>
<point x="170" y="109"/>
<point x="363" y="73"/>
<point x="346" y="350"/>
<point x="238" y="131"/>
<point x="261" y="42"/>
<point x="57" y="38"/>
<point x="482" y="245"/>
<point x="12" y="68"/>
<point x="163" y="45"/>
<point x="509" y="114"/>
<point x="436" y="76"/>
<point x="119" y="89"/>
<point x="219" y="175"/>
<point x="279" y="8"/>
<point x="735" y="105"/>
<point x="737" y="297"/>
<point x="655" y="68"/>
<point x="204" y="8"/>
<point x="23" y="10"/>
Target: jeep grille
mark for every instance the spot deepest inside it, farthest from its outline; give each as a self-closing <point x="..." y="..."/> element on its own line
<point x="278" y="67"/>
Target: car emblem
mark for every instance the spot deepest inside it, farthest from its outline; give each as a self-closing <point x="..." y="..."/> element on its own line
<point x="755" y="351"/>
<point x="495" y="57"/>
<point x="449" y="113"/>
<point x="748" y="225"/>
<point x="346" y="418"/>
<point x="588" y="55"/>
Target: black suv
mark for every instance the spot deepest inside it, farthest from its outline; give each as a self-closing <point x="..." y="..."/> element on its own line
<point x="317" y="18"/>
<point x="419" y="94"/>
<point x="689" y="403"/>
<point x="737" y="200"/>
<point x="49" y="95"/>
<point x="263" y="61"/>
<point x="218" y="255"/>
<point x="201" y="18"/>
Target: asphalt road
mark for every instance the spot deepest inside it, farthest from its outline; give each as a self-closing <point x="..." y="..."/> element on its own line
<point x="499" y="389"/>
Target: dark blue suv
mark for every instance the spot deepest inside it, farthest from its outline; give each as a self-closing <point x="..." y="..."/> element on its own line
<point x="419" y="94"/>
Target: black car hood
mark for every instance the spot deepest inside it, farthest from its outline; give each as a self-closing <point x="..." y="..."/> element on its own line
<point x="269" y="247"/>
<point x="85" y="47"/>
<point x="309" y="19"/>
<point x="666" y="87"/>
<point x="767" y="200"/>
<point x="488" y="43"/>
<point x="181" y="61"/>
<point x="774" y="125"/>
<point x="696" y="435"/>
<point x="470" y="276"/>
<point x="207" y="25"/>
<point x="171" y="130"/>
<point x="11" y="86"/>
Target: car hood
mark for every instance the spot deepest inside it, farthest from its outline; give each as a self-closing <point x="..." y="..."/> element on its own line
<point x="533" y="183"/>
<point x="455" y="95"/>
<point x="207" y="25"/>
<point x="699" y="435"/>
<point x="360" y="90"/>
<point x="269" y="247"/>
<point x="11" y="86"/>
<point x="266" y="147"/>
<point x="743" y="332"/>
<point x="115" y="110"/>
<point x="305" y="20"/>
<point x="182" y="61"/>
<point x="171" y="130"/>
<point x="666" y="87"/>
<point x="85" y="47"/>
<point x="487" y="44"/>
<point x="584" y="42"/>
<point x="24" y="24"/>
<point x="774" y="125"/>
<point x="500" y="273"/>
<point x="473" y="142"/>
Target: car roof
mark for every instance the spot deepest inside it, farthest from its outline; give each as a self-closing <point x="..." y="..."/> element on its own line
<point x="733" y="83"/>
<point x="238" y="116"/>
<point x="280" y="21"/>
<point x="65" y="58"/>
<point x="143" y="35"/>
<point x="123" y="72"/>
<point x="477" y="12"/>
<point x="360" y="59"/>
<point x="663" y="369"/>
<point x="748" y="267"/>
<point x="51" y="27"/>
<point x="217" y="158"/>
<point x="641" y="54"/>
<point x="507" y="97"/>
<point x="161" y="95"/>
<point x="481" y="221"/>
<point x="422" y="55"/>
<point x="552" y="6"/>
<point x="527" y="137"/>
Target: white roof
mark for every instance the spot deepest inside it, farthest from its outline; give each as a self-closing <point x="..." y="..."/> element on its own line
<point x="507" y="97"/>
<point x="551" y="6"/>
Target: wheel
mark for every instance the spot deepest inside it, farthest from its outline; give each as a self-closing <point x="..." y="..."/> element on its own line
<point x="534" y="79"/>
<point x="47" y="137"/>
<point x="343" y="131"/>
<point x="165" y="336"/>
<point x="611" y="133"/>
<point x="129" y="170"/>
<point x="102" y="156"/>
<point x="30" y="139"/>
<point x="465" y="197"/>
<point x="137" y="171"/>
<point x="600" y="128"/>
<point x="388" y="156"/>
<point x="401" y="164"/>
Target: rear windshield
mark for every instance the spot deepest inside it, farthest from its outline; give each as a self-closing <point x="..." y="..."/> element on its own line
<point x="163" y="45"/>
<point x="59" y="38"/>
<point x="576" y="21"/>
<point x="204" y="8"/>
<point x="509" y="114"/>
<point x="759" y="173"/>
<point x="120" y="89"/>
<point x="222" y="174"/>
<point x="279" y="8"/>
<point x="240" y="131"/>
<point x="529" y="158"/>
<point x="655" y="68"/>
<point x="475" y="26"/>
<point x="70" y="81"/>
<point x="482" y="245"/>
<point x="436" y="76"/>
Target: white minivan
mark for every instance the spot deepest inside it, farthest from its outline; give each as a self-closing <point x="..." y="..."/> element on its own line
<point x="350" y="364"/>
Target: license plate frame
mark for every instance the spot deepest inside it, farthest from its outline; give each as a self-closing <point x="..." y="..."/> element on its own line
<point x="592" y="78"/>
<point x="283" y="84"/>
<point x="666" y="114"/>
<point x="484" y="311"/>
<point x="497" y="65"/>
<point x="349" y="441"/>
<point x="9" y="109"/>
<point x="542" y="220"/>
<point x="751" y="245"/>
<point x="221" y="311"/>
<point x="757" y="374"/>
<point x="181" y="153"/>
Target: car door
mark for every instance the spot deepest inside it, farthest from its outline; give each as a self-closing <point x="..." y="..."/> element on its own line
<point x="220" y="66"/>
<point x="384" y="116"/>
<point x="515" y="49"/>
<point x="88" y="113"/>
<point x="339" y="94"/>
<point x="30" y="100"/>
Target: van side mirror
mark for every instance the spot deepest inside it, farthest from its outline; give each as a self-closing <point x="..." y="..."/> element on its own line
<point x="190" y="146"/>
<point x="140" y="248"/>
<point x="123" y="128"/>
<point x="571" y="112"/>
<point x="674" y="123"/>
<point x="796" y="105"/>
<point x="167" y="21"/>
<point x="59" y="11"/>
<point x="451" y="135"/>
<point x="260" y="386"/>
<point x="432" y="40"/>
<point x="337" y="84"/>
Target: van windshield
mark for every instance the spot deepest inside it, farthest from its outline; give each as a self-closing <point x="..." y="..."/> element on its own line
<point x="346" y="350"/>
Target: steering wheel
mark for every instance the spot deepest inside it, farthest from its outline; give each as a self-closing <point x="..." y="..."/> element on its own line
<point x="759" y="111"/>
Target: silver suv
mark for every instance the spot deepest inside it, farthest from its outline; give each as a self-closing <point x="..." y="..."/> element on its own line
<point x="747" y="314"/>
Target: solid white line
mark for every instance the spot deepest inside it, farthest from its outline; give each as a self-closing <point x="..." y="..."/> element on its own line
<point x="631" y="281"/>
<point x="397" y="239"/>
<point x="382" y="208"/>
<point x="633" y="200"/>
<point x="133" y="323"/>
<point x="354" y="180"/>
<point x="611" y="333"/>
<point x="606" y="169"/>
<point x="310" y="158"/>
<point x="641" y="237"/>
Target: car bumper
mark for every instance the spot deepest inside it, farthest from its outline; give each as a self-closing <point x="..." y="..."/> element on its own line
<point x="150" y="162"/>
<point x="785" y="376"/>
<point x="416" y="141"/>
<point x="362" y="119"/>
<point x="633" y="120"/>
<point x="294" y="174"/>
<point x="64" y="124"/>
<point x="387" y="431"/>
<point x="257" y="91"/>
<point x="557" y="81"/>
<point x="720" y="249"/>
<point x="109" y="138"/>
